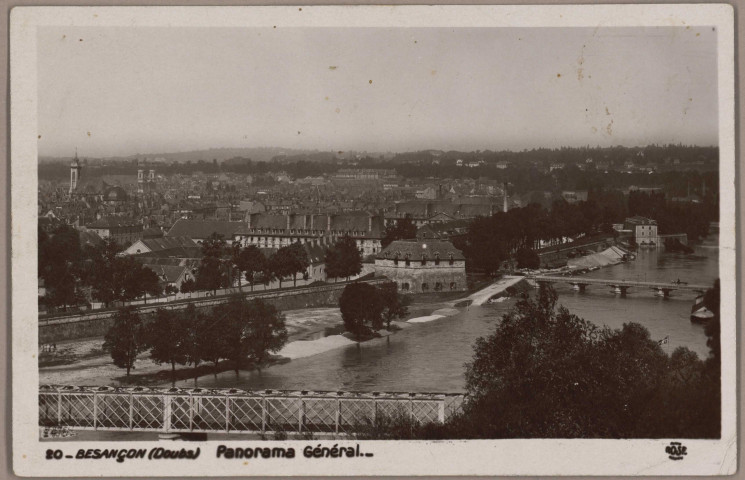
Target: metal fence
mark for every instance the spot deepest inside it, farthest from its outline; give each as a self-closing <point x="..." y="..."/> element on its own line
<point x="235" y="411"/>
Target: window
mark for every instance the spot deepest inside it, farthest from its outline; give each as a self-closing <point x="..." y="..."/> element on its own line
<point x="424" y="259"/>
<point x="395" y="260"/>
<point x="408" y="262"/>
<point x="452" y="285"/>
<point x="437" y="258"/>
<point x="438" y="287"/>
<point x="451" y="259"/>
<point x="425" y="287"/>
<point x="405" y="286"/>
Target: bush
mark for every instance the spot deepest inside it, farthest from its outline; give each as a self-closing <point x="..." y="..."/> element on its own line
<point x="527" y="258"/>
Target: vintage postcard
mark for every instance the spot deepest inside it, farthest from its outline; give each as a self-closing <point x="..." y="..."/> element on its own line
<point x="373" y="240"/>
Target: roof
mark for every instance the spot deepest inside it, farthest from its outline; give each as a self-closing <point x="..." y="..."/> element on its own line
<point x="174" y="262"/>
<point x="443" y="229"/>
<point x="171" y="273"/>
<point x="113" y="222"/>
<point x="152" y="232"/>
<point x="362" y="222"/>
<point x="199" y="229"/>
<point x="416" y="248"/>
<point x="165" y="243"/>
<point x="639" y="220"/>
<point x="89" y="238"/>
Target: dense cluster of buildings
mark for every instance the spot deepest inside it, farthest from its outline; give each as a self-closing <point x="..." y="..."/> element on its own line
<point x="162" y="220"/>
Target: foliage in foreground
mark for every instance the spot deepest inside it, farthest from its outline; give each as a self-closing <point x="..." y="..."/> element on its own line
<point x="241" y="331"/>
<point x="546" y="373"/>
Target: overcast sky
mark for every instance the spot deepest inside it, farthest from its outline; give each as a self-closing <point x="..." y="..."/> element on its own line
<point x="120" y="91"/>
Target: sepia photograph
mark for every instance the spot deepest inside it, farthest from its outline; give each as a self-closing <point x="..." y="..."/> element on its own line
<point x="308" y="240"/>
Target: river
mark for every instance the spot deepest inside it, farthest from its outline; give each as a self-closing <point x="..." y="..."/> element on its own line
<point x="430" y="357"/>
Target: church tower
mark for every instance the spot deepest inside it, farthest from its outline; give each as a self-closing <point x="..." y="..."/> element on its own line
<point x="75" y="169"/>
<point x="140" y="178"/>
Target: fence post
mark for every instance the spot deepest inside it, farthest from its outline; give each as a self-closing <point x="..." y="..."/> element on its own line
<point x="338" y="415"/>
<point x="166" y="413"/>
<point x="227" y="414"/>
<point x="131" y="409"/>
<point x="441" y="411"/>
<point x="300" y="415"/>
<point x="191" y="412"/>
<point x="263" y="414"/>
<point x="59" y="409"/>
<point x="95" y="410"/>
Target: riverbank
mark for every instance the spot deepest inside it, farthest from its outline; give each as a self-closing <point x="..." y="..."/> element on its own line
<point x="312" y="331"/>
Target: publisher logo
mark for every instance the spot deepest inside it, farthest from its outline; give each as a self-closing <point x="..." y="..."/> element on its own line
<point x="676" y="451"/>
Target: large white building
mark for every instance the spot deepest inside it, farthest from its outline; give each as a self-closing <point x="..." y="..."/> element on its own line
<point x="643" y="230"/>
<point x="424" y="265"/>
<point x="277" y="231"/>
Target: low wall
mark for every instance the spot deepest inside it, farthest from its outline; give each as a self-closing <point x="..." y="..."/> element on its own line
<point x="552" y="257"/>
<point x="56" y="329"/>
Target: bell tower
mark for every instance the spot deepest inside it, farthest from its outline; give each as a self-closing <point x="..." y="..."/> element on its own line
<point x="75" y="169"/>
<point x="140" y="178"/>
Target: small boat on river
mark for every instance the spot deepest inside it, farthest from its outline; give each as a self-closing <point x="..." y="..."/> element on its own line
<point x="699" y="312"/>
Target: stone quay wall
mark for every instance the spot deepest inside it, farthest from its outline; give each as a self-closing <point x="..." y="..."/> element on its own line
<point x="96" y="324"/>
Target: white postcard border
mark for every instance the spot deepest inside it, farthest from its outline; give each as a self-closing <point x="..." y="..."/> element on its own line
<point x="535" y="457"/>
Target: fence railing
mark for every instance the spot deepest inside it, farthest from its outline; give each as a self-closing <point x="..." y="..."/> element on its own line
<point x="234" y="411"/>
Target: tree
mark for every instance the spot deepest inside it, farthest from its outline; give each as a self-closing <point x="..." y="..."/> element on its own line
<point x="401" y="229"/>
<point x="103" y="277"/>
<point x="126" y="338"/>
<point x="167" y="337"/>
<point x="60" y="258"/>
<point x="212" y="333"/>
<point x="527" y="258"/>
<point x="298" y="261"/>
<point x="210" y="273"/>
<point x="188" y="285"/>
<point x="252" y="263"/>
<point x="249" y="330"/>
<point x="281" y="264"/>
<point x="267" y="331"/>
<point x="361" y="308"/>
<point x="193" y="324"/>
<point x="393" y="305"/>
<point x="149" y="283"/>
<point x="170" y="289"/>
<point x="233" y="319"/>
<point x="545" y="373"/>
<point x="343" y="259"/>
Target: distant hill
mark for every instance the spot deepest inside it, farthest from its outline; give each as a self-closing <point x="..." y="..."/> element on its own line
<point x="260" y="154"/>
<point x="229" y="155"/>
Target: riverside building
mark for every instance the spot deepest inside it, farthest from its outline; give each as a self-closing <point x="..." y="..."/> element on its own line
<point x="421" y="266"/>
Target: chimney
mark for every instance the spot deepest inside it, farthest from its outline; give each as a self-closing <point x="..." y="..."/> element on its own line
<point x="311" y="221"/>
<point x="289" y="219"/>
<point x="305" y="221"/>
<point x="369" y="223"/>
<point x="328" y="223"/>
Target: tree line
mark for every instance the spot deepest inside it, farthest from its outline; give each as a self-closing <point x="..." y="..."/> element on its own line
<point x="490" y="241"/>
<point x="241" y="331"/>
<point x="73" y="273"/>
<point x="69" y="270"/>
<point x="690" y="218"/>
